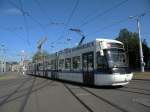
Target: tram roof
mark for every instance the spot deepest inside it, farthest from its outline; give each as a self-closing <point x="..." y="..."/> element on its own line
<point x="108" y="40"/>
<point x="89" y="43"/>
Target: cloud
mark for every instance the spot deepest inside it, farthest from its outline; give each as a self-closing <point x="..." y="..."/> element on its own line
<point x="12" y="11"/>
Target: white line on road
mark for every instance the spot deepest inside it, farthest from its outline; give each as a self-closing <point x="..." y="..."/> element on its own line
<point x="142" y="101"/>
<point x="82" y="94"/>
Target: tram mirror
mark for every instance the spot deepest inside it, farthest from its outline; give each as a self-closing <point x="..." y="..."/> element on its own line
<point x="101" y="52"/>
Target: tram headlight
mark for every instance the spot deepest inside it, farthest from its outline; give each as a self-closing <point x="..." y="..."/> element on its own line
<point x="101" y="52"/>
<point x="115" y="70"/>
<point x="115" y="66"/>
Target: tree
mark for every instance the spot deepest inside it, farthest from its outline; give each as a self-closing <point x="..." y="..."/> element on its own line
<point x="146" y="52"/>
<point x="38" y="56"/>
<point x="131" y="43"/>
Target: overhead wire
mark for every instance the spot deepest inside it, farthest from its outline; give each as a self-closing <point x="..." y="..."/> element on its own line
<point x="12" y="31"/>
<point x="23" y="13"/>
<point x="42" y="10"/>
<point x="115" y="23"/>
<point x="29" y="15"/>
<point x="72" y="12"/>
<point x="37" y="22"/>
<point x="16" y="35"/>
<point x="108" y="26"/>
<point x="68" y="21"/>
<point x="26" y="23"/>
<point x="102" y="13"/>
<point x="13" y="4"/>
<point x="51" y="22"/>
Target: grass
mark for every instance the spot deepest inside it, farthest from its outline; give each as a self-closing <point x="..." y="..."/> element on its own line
<point x="2" y="77"/>
<point x="5" y="77"/>
<point x="140" y="75"/>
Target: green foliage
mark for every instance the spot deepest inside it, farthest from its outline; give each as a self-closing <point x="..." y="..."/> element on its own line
<point x="38" y="56"/>
<point x="131" y="43"/>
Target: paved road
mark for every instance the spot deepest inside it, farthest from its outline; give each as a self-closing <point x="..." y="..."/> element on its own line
<point x="20" y="93"/>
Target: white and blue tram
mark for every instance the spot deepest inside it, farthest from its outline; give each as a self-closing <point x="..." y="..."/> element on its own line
<point x="100" y="62"/>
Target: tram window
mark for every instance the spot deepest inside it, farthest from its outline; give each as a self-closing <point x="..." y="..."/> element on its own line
<point x="53" y="64"/>
<point x="40" y="65"/>
<point x="68" y="63"/>
<point x="90" y="62"/>
<point x="101" y="61"/>
<point x="48" y="65"/>
<point x="85" y="62"/>
<point x="61" y="63"/>
<point x="76" y="62"/>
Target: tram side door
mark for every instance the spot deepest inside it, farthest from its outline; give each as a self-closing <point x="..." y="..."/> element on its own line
<point x="88" y="68"/>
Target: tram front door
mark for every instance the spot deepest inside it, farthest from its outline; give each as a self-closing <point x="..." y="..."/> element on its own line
<point x="88" y="68"/>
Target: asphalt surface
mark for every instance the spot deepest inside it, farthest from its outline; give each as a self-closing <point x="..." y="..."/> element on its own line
<point x="23" y="93"/>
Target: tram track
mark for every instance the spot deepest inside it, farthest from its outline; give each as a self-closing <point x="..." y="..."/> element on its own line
<point x="14" y="92"/>
<point x="95" y="95"/>
<point x="134" y="91"/>
<point x="33" y="90"/>
<point x="8" y="84"/>
<point x="82" y="102"/>
<point x="24" y="102"/>
<point x="22" y="90"/>
<point x="137" y="88"/>
<point x="105" y="100"/>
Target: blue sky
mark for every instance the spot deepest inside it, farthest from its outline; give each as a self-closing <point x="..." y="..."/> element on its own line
<point x="53" y="18"/>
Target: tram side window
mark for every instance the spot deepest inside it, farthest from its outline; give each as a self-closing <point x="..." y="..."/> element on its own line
<point x="53" y="64"/>
<point x="61" y="64"/>
<point x="40" y="66"/>
<point x="45" y="64"/>
<point x="68" y="63"/>
<point x="101" y="61"/>
<point x="76" y="63"/>
<point x="90" y="62"/>
<point x="48" y="65"/>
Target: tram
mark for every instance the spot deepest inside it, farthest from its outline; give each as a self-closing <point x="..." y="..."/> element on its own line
<point x="100" y="62"/>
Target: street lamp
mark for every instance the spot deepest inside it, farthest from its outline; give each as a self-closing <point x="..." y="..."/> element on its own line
<point x="137" y="18"/>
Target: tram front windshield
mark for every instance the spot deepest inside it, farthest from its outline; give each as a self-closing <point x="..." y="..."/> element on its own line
<point x="117" y="58"/>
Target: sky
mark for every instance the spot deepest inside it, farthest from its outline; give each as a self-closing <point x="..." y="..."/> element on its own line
<point x="24" y="22"/>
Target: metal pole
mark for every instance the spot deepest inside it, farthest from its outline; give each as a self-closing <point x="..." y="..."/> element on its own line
<point x="2" y="59"/>
<point x="140" y="45"/>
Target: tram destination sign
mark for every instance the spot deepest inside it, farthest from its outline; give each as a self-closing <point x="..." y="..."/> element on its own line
<point x="114" y="45"/>
<point x="90" y="44"/>
<point x="68" y="50"/>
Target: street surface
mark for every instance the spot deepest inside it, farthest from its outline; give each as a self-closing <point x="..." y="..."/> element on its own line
<point x="23" y="93"/>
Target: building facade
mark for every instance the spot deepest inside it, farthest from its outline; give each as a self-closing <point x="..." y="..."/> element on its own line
<point x="2" y="66"/>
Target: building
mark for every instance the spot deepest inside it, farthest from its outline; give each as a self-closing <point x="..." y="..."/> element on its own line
<point x="15" y="68"/>
<point x="2" y="66"/>
<point x="23" y="66"/>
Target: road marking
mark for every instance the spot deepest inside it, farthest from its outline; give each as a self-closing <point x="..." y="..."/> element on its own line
<point x="142" y="101"/>
<point x="82" y="94"/>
